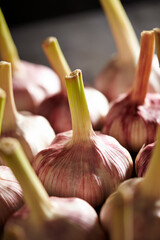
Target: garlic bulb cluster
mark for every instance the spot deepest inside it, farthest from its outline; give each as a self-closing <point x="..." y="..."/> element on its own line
<point x="32" y="83"/>
<point x="132" y="211"/>
<point x="11" y="197"/>
<point x="117" y="76"/>
<point x="43" y="217"/>
<point x="80" y="162"/>
<point x="133" y="117"/>
<point x="56" y="108"/>
<point x="33" y="131"/>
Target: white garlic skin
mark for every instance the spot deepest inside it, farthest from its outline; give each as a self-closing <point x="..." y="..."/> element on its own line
<point x="117" y="78"/>
<point x="32" y="83"/>
<point x="146" y="219"/>
<point x="98" y="107"/>
<point x="56" y="110"/>
<point x="89" y="170"/>
<point x="73" y="219"/>
<point x="143" y="159"/>
<point x="11" y="197"/>
<point x="131" y="124"/>
<point x="33" y="132"/>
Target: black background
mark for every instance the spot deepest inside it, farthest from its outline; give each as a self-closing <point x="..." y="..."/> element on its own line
<point x="18" y="12"/>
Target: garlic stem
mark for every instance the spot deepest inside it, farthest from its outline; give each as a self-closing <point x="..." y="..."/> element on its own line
<point x="10" y="111"/>
<point x="81" y="123"/>
<point x="123" y="32"/>
<point x="34" y="193"/>
<point x="150" y="185"/>
<point x="144" y="66"/>
<point x="157" y="39"/>
<point x="123" y="217"/>
<point x="2" y="105"/>
<point x="8" y="50"/>
<point x="56" y="59"/>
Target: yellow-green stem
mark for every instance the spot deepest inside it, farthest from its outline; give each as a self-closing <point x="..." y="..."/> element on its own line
<point x="2" y="106"/>
<point x="150" y="185"/>
<point x="56" y="59"/>
<point x="35" y="195"/>
<point x="157" y="38"/>
<point x="123" y="32"/>
<point x="10" y="111"/>
<point x="144" y="66"/>
<point x="123" y="215"/>
<point x="81" y="123"/>
<point x="8" y="50"/>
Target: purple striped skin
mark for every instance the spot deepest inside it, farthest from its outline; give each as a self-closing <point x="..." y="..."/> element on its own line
<point x="33" y="83"/>
<point x="131" y="124"/>
<point x="73" y="219"/>
<point x="143" y="159"/>
<point x="11" y="197"/>
<point x="90" y="170"/>
<point x="146" y="219"/>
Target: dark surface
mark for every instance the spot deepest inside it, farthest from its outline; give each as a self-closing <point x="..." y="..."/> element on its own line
<point x="19" y="12"/>
<point x="85" y="37"/>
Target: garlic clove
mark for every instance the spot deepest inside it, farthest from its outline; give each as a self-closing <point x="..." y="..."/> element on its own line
<point x="32" y="83"/>
<point x="94" y="162"/>
<point x="133" y="117"/>
<point x="43" y="217"/>
<point x="11" y="197"/>
<point x="34" y="132"/>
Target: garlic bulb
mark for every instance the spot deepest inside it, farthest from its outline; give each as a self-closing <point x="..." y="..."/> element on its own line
<point x="32" y="83"/>
<point x="11" y="197"/>
<point x="34" y="132"/>
<point x="82" y="163"/>
<point x="117" y="76"/>
<point x="132" y="212"/>
<point x="43" y="217"/>
<point x="133" y="117"/>
<point x="143" y="159"/>
<point x="56" y="108"/>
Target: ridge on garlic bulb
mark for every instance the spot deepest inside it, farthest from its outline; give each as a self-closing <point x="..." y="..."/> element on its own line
<point x="43" y="217"/>
<point x="133" y="117"/>
<point x="117" y="76"/>
<point x="80" y="162"/>
<point x="56" y="107"/>
<point x="33" y="131"/>
<point x="32" y="83"/>
<point x="143" y="159"/>
<point x="11" y="196"/>
<point x="132" y="211"/>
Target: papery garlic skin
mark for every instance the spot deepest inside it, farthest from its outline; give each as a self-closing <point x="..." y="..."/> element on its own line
<point x="132" y="124"/>
<point x="56" y="110"/>
<point x="11" y="197"/>
<point x="98" y="106"/>
<point x="33" y="132"/>
<point x="117" y="78"/>
<point x="143" y="219"/>
<point x="143" y="159"/>
<point x="74" y="219"/>
<point x="32" y="83"/>
<point x="90" y="170"/>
